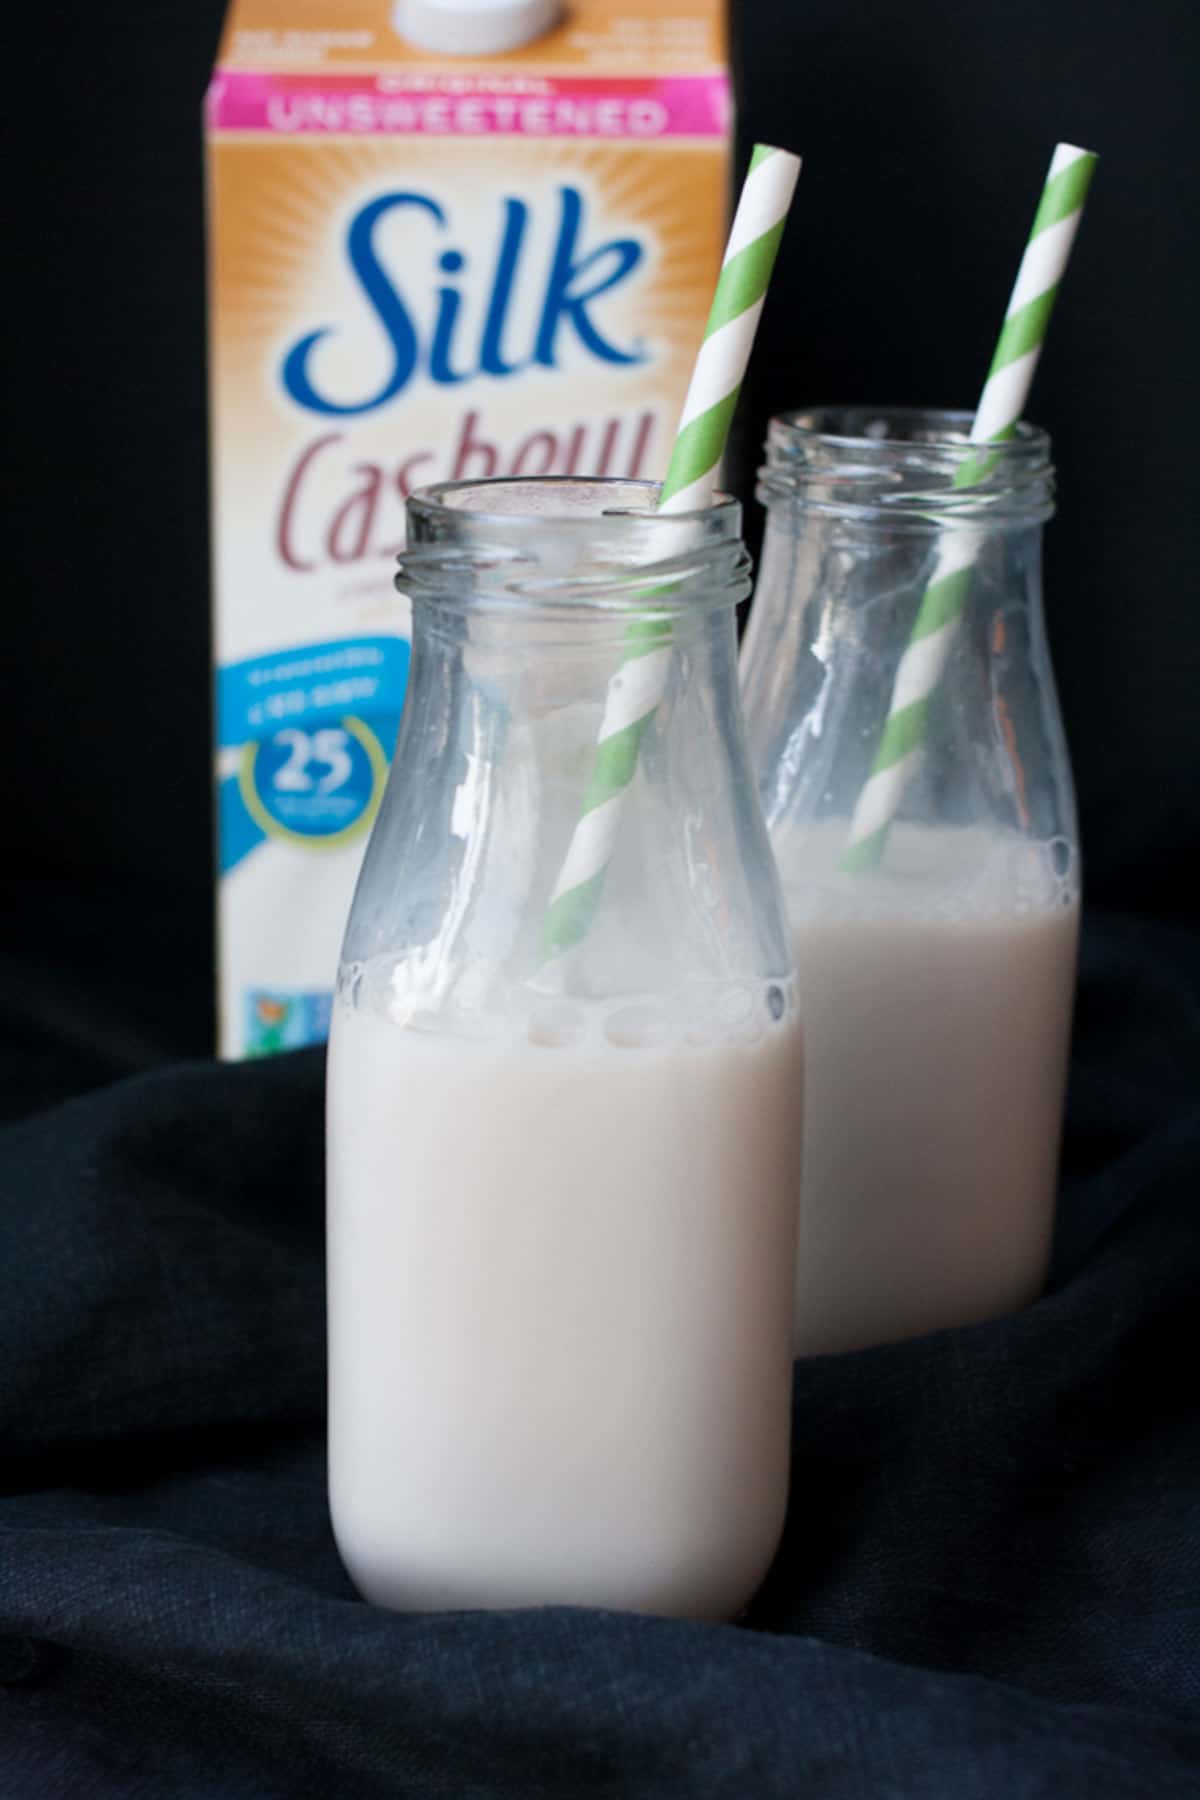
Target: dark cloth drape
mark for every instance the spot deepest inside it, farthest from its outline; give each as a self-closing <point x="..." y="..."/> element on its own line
<point x="989" y="1583"/>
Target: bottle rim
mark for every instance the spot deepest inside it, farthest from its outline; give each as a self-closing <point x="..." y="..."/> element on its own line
<point x="907" y="466"/>
<point x="570" y="545"/>
<point x="510" y="501"/>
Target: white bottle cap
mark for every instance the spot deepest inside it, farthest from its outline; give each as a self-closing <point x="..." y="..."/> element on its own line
<point x="474" y="27"/>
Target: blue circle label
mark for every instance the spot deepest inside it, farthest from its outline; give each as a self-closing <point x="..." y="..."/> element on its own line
<point x="317" y="786"/>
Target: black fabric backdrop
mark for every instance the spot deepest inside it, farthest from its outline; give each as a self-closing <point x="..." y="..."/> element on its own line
<point x="989" y="1586"/>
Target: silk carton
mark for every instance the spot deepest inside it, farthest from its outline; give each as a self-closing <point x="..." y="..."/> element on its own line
<point x="422" y="267"/>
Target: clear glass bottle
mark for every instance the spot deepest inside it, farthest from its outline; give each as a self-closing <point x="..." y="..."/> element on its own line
<point x="562" y="1189"/>
<point x="919" y="799"/>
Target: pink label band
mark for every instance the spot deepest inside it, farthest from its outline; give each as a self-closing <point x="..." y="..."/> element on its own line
<point x="465" y="106"/>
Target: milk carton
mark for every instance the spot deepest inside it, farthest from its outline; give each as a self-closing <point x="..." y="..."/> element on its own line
<point x="452" y="239"/>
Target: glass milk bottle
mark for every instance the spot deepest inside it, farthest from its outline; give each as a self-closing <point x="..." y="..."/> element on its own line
<point x="911" y="761"/>
<point x="562" y="1180"/>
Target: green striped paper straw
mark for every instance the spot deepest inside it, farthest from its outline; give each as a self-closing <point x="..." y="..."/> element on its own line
<point x="1000" y="407"/>
<point x="638" y="686"/>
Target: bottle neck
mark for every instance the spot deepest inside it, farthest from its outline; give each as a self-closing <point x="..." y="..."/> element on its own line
<point x="551" y="619"/>
<point x="896" y="647"/>
<point x="540" y="598"/>
<point x="868" y="510"/>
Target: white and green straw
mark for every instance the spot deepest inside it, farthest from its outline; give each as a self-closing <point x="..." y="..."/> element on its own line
<point x="1000" y="407"/>
<point x="636" y="689"/>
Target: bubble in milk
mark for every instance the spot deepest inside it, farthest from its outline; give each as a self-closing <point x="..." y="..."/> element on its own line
<point x="557" y="1025"/>
<point x="696" y="1013"/>
<point x="385" y="987"/>
<point x="644" y="1027"/>
<point x="741" y="1013"/>
<point x="1062" y="856"/>
<point x="425" y="1020"/>
<point x="735" y="1006"/>
<point x="455" y="1023"/>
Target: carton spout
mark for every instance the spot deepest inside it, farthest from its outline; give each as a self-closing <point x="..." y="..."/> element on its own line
<point x="474" y="27"/>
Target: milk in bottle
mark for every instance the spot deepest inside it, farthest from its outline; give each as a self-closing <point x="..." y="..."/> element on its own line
<point x="935" y="951"/>
<point x="562" y="1185"/>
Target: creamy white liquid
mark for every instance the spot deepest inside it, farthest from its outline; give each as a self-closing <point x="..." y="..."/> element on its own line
<point x="560" y="1312"/>
<point x="936" y="998"/>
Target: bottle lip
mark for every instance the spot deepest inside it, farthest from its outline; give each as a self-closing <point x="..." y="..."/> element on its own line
<point x="909" y="465"/>
<point x="509" y="503"/>
<point x="570" y="545"/>
<point x="939" y="432"/>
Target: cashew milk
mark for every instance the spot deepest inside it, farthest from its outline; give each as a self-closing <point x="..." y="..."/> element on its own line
<point x="561" y="1311"/>
<point x="936" y="997"/>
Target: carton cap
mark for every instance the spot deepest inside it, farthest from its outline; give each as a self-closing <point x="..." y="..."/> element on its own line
<point x="474" y="27"/>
